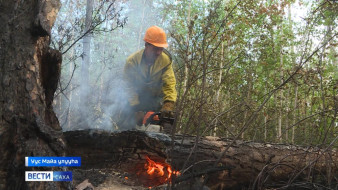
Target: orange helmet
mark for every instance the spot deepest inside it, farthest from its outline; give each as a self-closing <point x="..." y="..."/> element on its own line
<point x="156" y="36"/>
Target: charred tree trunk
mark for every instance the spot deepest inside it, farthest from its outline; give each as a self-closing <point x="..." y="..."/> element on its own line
<point x="245" y="164"/>
<point x="29" y="72"/>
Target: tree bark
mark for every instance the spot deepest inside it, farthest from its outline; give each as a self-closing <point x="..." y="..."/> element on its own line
<point x="29" y="74"/>
<point x="84" y="94"/>
<point x="86" y="46"/>
<point x="246" y="164"/>
<point x="280" y="113"/>
<point x="139" y="39"/>
<point x="218" y="90"/>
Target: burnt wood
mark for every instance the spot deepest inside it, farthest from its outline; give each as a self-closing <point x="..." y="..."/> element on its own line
<point x="244" y="165"/>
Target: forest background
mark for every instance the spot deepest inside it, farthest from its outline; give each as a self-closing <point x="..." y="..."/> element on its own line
<point x="257" y="70"/>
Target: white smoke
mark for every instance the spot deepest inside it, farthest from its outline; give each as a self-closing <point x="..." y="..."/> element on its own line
<point x="100" y="103"/>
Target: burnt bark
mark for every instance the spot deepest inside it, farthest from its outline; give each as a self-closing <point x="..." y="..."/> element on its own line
<point x="245" y="165"/>
<point x="29" y="73"/>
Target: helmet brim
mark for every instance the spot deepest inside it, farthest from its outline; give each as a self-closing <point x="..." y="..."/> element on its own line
<point x="159" y="45"/>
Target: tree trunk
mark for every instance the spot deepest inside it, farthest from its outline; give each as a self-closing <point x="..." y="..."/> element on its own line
<point x="287" y="116"/>
<point x="295" y="107"/>
<point x="187" y="59"/>
<point x="187" y="55"/>
<point x="245" y="165"/>
<point x="86" y="44"/>
<point x="139" y="40"/>
<point x="320" y="68"/>
<point x="218" y="91"/>
<point x="29" y="74"/>
<point x="85" y="84"/>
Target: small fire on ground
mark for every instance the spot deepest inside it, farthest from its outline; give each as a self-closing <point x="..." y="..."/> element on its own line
<point x="156" y="173"/>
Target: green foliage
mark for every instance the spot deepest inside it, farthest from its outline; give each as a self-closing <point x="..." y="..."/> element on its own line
<point x="259" y="49"/>
<point x="241" y="66"/>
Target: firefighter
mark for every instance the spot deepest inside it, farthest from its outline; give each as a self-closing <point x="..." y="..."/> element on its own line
<point x="150" y="77"/>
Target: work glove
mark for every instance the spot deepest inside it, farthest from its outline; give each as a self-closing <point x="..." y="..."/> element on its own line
<point x="168" y="106"/>
<point x="167" y="111"/>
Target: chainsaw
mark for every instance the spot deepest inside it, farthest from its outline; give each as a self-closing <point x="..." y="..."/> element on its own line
<point x="163" y="119"/>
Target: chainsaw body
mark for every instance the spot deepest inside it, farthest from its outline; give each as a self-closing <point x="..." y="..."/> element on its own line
<point x="164" y="120"/>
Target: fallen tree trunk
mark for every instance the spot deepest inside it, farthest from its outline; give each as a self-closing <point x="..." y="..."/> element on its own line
<point x="245" y="164"/>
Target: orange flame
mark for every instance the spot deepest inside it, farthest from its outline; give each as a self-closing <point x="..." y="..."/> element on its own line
<point x="158" y="169"/>
<point x="154" y="167"/>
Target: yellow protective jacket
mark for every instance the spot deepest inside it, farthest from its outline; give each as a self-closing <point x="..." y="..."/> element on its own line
<point x="157" y="80"/>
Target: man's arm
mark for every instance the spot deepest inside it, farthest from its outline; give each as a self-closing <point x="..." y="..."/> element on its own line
<point x="169" y="84"/>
